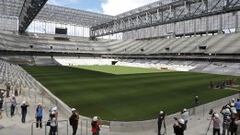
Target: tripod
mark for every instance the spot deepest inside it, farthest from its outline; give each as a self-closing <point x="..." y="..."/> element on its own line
<point x="210" y="123"/>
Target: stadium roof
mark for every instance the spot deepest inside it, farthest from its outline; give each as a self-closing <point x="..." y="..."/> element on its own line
<point x="146" y="7"/>
<point x="71" y="16"/>
<point x="56" y="13"/>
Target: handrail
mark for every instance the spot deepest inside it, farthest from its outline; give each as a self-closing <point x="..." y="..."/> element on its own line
<point x="45" y="126"/>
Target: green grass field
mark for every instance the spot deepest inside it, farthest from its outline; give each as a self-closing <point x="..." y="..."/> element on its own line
<point x="132" y="95"/>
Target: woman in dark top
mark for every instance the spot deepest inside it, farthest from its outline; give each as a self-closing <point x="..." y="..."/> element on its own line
<point x="24" y="107"/>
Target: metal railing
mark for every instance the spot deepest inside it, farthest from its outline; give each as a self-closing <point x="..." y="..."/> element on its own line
<point x="84" y="127"/>
<point x="61" y="126"/>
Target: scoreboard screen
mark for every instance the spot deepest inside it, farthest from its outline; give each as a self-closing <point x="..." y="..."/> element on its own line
<point x="61" y="31"/>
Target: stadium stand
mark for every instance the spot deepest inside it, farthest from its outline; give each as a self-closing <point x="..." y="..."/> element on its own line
<point x="217" y="44"/>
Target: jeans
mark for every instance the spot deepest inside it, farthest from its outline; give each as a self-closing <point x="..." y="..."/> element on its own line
<point x="12" y="110"/>
<point x="74" y="127"/>
<point x="225" y="129"/>
<point x="159" y="128"/>
<point x="24" y="114"/>
<point x="39" y="122"/>
<point x="216" y="131"/>
<point x="53" y="130"/>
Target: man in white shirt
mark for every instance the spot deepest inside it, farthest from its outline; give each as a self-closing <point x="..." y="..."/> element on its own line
<point x="185" y="116"/>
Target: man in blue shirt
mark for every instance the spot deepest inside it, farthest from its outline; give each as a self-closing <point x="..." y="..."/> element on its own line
<point x="39" y="115"/>
<point x="237" y="105"/>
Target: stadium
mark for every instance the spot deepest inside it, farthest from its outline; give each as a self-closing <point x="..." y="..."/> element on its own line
<point x="165" y="56"/>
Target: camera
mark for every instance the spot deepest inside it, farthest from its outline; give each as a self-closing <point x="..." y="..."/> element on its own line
<point x="175" y="118"/>
<point x="211" y="112"/>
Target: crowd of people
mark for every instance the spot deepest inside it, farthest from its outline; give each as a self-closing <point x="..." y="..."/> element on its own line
<point x="222" y="84"/>
<point x="52" y="122"/>
<point x="179" y="126"/>
<point x="228" y="124"/>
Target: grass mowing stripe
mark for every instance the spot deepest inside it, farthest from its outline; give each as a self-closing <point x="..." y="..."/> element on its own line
<point x="118" y="70"/>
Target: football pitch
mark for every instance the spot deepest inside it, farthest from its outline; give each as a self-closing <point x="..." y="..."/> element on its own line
<point x="127" y="94"/>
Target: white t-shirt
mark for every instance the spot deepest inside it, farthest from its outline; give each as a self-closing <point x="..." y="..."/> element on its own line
<point x="185" y="116"/>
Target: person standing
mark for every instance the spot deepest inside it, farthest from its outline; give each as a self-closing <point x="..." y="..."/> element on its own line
<point x="226" y="119"/>
<point x="53" y="126"/>
<point x="196" y="103"/>
<point x="73" y="120"/>
<point x="185" y="116"/>
<point x="161" y="123"/>
<point x="178" y="126"/>
<point x="95" y="126"/>
<point x="39" y="115"/>
<point x="53" y="117"/>
<point x="1" y="102"/>
<point x="233" y="126"/>
<point x="24" y="107"/>
<point x="196" y="100"/>
<point x="8" y="87"/>
<point x="237" y="105"/>
<point x="13" y="102"/>
<point x="237" y="122"/>
<point x="216" y="124"/>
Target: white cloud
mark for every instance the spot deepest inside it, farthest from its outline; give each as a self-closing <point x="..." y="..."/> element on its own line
<point x="94" y="10"/>
<point x="115" y="7"/>
<point x="54" y="2"/>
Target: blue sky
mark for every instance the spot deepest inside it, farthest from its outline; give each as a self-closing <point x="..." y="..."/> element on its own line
<point x="110" y="7"/>
<point x="90" y="5"/>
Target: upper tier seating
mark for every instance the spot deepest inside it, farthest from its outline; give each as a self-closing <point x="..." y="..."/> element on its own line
<point x="222" y="43"/>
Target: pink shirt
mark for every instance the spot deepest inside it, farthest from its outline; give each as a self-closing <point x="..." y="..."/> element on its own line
<point x="216" y="123"/>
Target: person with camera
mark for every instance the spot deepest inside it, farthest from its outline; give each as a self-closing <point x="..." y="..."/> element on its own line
<point x="179" y="126"/>
<point x="226" y="119"/>
<point x="53" y="121"/>
<point x="216" y="124"/>
<point x="161" y="123"/>
<point x="24" y="110"/>
<point x="39" y="115"/>
<point x="53" y="126"/>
